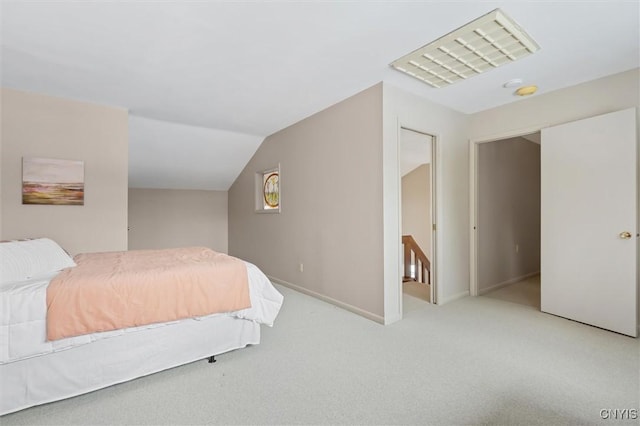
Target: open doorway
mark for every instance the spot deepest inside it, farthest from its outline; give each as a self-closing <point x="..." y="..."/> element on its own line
<point x="417" y="218"/>
<point x="578" y="159"/>
<point x="508" y="219"/>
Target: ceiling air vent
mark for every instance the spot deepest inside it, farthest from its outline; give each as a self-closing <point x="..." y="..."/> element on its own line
<point x="481" y="45"/>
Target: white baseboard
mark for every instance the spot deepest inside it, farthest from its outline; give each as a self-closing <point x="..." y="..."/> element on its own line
<point x="443" y="300"/>
<point x="507" y="282"/>
<point x="346" y="306"/>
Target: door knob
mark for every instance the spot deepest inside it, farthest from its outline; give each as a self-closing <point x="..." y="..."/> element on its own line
<point x="625" y="235"/>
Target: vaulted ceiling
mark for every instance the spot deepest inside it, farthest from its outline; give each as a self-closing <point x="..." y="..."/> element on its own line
<point x="212" y="79"/>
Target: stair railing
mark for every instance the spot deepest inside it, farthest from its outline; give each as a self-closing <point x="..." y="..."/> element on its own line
<point x="413" y="255"/>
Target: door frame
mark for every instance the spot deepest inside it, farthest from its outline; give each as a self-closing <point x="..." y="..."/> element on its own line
<point x="434" y="215"/>
<point x="473" y="198"/>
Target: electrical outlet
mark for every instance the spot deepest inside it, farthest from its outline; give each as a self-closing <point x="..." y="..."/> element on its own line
<point x="301" y="267"/>
<point x="517" y="248"/>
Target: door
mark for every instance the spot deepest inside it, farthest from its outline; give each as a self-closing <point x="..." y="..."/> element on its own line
<point x="588" y="221"/>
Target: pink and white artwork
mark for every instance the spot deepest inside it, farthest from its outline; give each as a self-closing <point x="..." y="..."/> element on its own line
<point x="52" y="181"/>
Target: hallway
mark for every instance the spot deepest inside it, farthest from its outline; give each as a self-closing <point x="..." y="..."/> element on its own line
<point x="525" y="292"/>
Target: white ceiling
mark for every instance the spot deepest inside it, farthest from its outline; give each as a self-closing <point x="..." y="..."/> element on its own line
<point x="177" y="156"/>
<point x="254" y="68"/>
<point x="533" y="137"/>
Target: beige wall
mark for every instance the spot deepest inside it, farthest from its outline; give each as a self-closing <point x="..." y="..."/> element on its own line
<point x="164" y="218"/>
<point x="508" y="211"/>
<point x="42" y="126"/>
<point x="416" y="206"/>
<point x="608" y="94"/>
<point x="331" y="218"/>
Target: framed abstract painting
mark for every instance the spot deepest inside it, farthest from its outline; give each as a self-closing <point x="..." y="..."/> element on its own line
<point x="52" y="181"/>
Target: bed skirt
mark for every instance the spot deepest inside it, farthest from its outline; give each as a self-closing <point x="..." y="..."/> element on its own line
<point x="81" y="369"/>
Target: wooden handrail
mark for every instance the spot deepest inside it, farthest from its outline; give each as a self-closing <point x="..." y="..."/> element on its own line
<point x="423" y="274"/>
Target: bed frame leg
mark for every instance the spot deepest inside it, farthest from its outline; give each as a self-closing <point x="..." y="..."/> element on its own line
<point x="212" y="359"/>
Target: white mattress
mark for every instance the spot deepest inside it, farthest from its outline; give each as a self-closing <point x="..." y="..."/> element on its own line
<point x="23" y="317"/>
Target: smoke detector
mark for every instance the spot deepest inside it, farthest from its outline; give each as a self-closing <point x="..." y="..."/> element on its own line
<point x="515" y="82"/>
<point x="481" y="45"/>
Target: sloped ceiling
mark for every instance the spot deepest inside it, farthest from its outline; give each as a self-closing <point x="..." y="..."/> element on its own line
<point x="177" y="156"/>
<point x="245" y="70"/>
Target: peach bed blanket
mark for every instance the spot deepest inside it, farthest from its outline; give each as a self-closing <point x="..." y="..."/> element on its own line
<point x="108" y="291"/>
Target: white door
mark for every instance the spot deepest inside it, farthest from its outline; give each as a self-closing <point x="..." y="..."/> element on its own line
<point x="588" y="221"/>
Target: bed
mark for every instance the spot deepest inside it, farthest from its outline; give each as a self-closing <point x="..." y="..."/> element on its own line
<point x="35" y="370"/>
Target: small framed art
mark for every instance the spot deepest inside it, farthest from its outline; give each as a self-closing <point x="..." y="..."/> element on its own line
<point x="52" y="181"/>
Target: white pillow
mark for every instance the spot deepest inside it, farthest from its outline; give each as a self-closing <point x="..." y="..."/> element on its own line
<point x="23" y="260"/>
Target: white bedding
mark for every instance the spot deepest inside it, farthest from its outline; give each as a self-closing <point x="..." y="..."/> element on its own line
<point x="23" y="316"/>
<point x="105" y="362"/>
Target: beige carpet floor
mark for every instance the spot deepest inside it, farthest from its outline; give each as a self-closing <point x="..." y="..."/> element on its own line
<point x="525" y="292"/>
<point x="474" y="361"/>
<point x="419" y="290"/>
